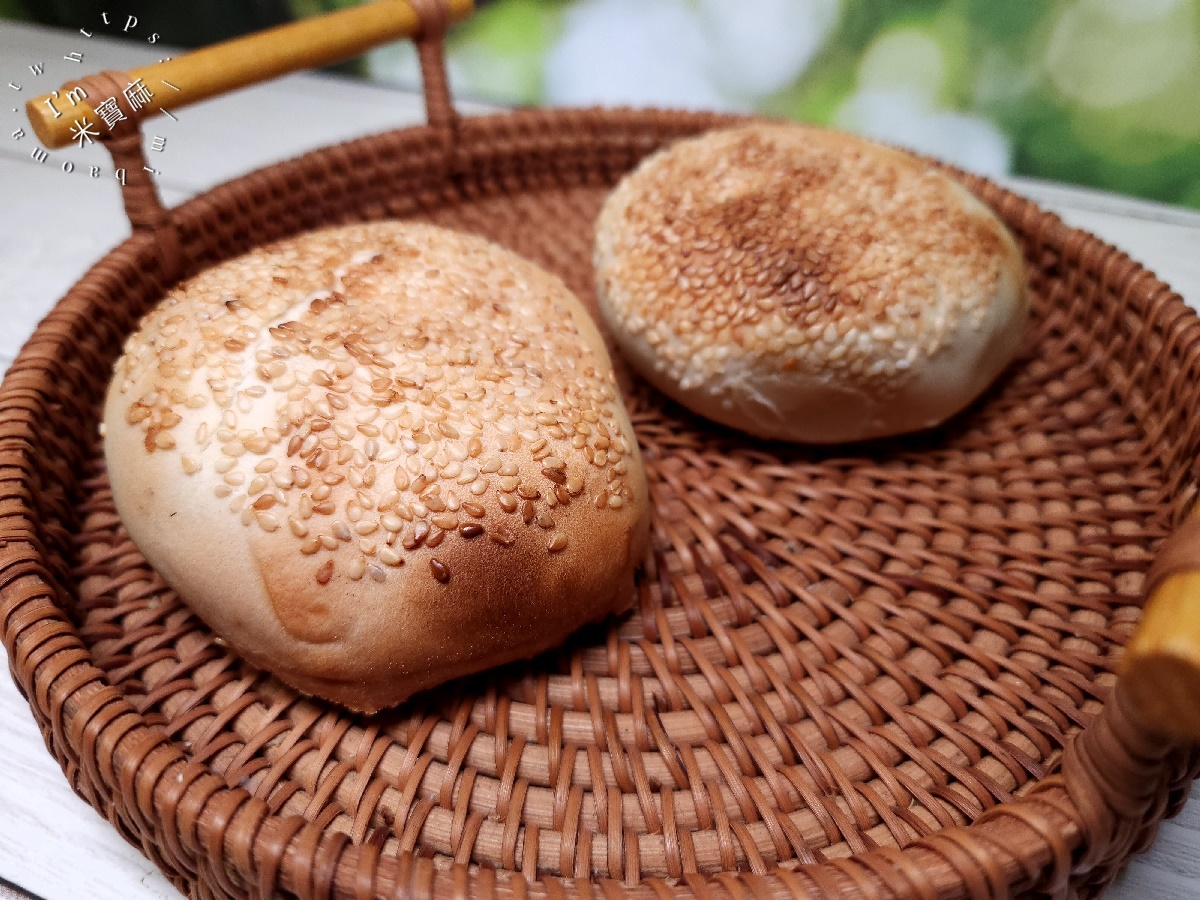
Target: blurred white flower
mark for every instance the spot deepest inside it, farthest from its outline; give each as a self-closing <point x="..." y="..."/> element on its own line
<point x="710" y="54"/>
<point x="757" y="47"/>
<point x="630" y="52"/>
<point x="909" y="119"/>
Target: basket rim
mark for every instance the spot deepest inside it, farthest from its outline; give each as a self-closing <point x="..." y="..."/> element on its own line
<point x="79" y="711"/>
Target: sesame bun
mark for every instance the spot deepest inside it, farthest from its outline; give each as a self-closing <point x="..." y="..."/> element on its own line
<point x="808" y="285"/>
<point x="377" y="457"/>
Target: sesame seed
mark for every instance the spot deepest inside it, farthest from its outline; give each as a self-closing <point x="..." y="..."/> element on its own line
<point x="356" y="568"/>
<point x="417" y="537"/>
<point x="389" y="557"/>
<point x="440" y="570"/>
<point x="434" y="413"/>
<point x="558" y="542"/>
<point x="502" y="535"/>
<point x="325" y="572"/>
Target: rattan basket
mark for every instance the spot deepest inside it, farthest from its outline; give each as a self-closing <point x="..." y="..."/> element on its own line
<point x="879" y="671"/>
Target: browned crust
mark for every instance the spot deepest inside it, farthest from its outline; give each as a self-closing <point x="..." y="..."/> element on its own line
<point x="804" y="284"/>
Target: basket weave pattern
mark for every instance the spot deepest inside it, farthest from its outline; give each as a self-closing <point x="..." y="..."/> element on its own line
<point x="884" y="671"/>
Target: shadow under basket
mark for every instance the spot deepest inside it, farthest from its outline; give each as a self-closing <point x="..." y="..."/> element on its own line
<point x="884" y="671"/>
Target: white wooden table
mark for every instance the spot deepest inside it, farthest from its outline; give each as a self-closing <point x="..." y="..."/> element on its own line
<point x="54" y="224"/>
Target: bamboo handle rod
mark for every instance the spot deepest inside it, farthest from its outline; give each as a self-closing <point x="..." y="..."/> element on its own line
<point x="1161" y="666"/>
<point x="209" y="71"/>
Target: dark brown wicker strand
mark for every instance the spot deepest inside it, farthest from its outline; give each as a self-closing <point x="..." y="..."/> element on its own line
<point x="885" y="671"/>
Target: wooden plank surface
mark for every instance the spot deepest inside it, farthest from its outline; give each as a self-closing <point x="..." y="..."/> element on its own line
<point x="52" y="844"/>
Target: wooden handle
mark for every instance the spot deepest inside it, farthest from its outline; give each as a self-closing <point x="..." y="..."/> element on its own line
<point x="1161" y="666"/>
<point x="209" y="71"/>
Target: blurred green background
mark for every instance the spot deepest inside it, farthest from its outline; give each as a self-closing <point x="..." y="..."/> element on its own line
<point x="1104" y="93"/>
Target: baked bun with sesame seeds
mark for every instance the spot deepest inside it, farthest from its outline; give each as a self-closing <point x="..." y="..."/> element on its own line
<point x="807" y="285"/>
<point x="377" y="457"/>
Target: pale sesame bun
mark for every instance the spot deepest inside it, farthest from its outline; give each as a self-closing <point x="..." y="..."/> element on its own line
<point x="807" y="285"/>
<point x="377" y="457"/>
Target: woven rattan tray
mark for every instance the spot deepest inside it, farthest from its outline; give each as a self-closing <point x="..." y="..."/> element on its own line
<point x="880" y="671"/>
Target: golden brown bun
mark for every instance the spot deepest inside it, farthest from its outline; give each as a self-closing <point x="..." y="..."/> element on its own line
<point x="377" y="457"/>
<point x="808" y="285"/>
